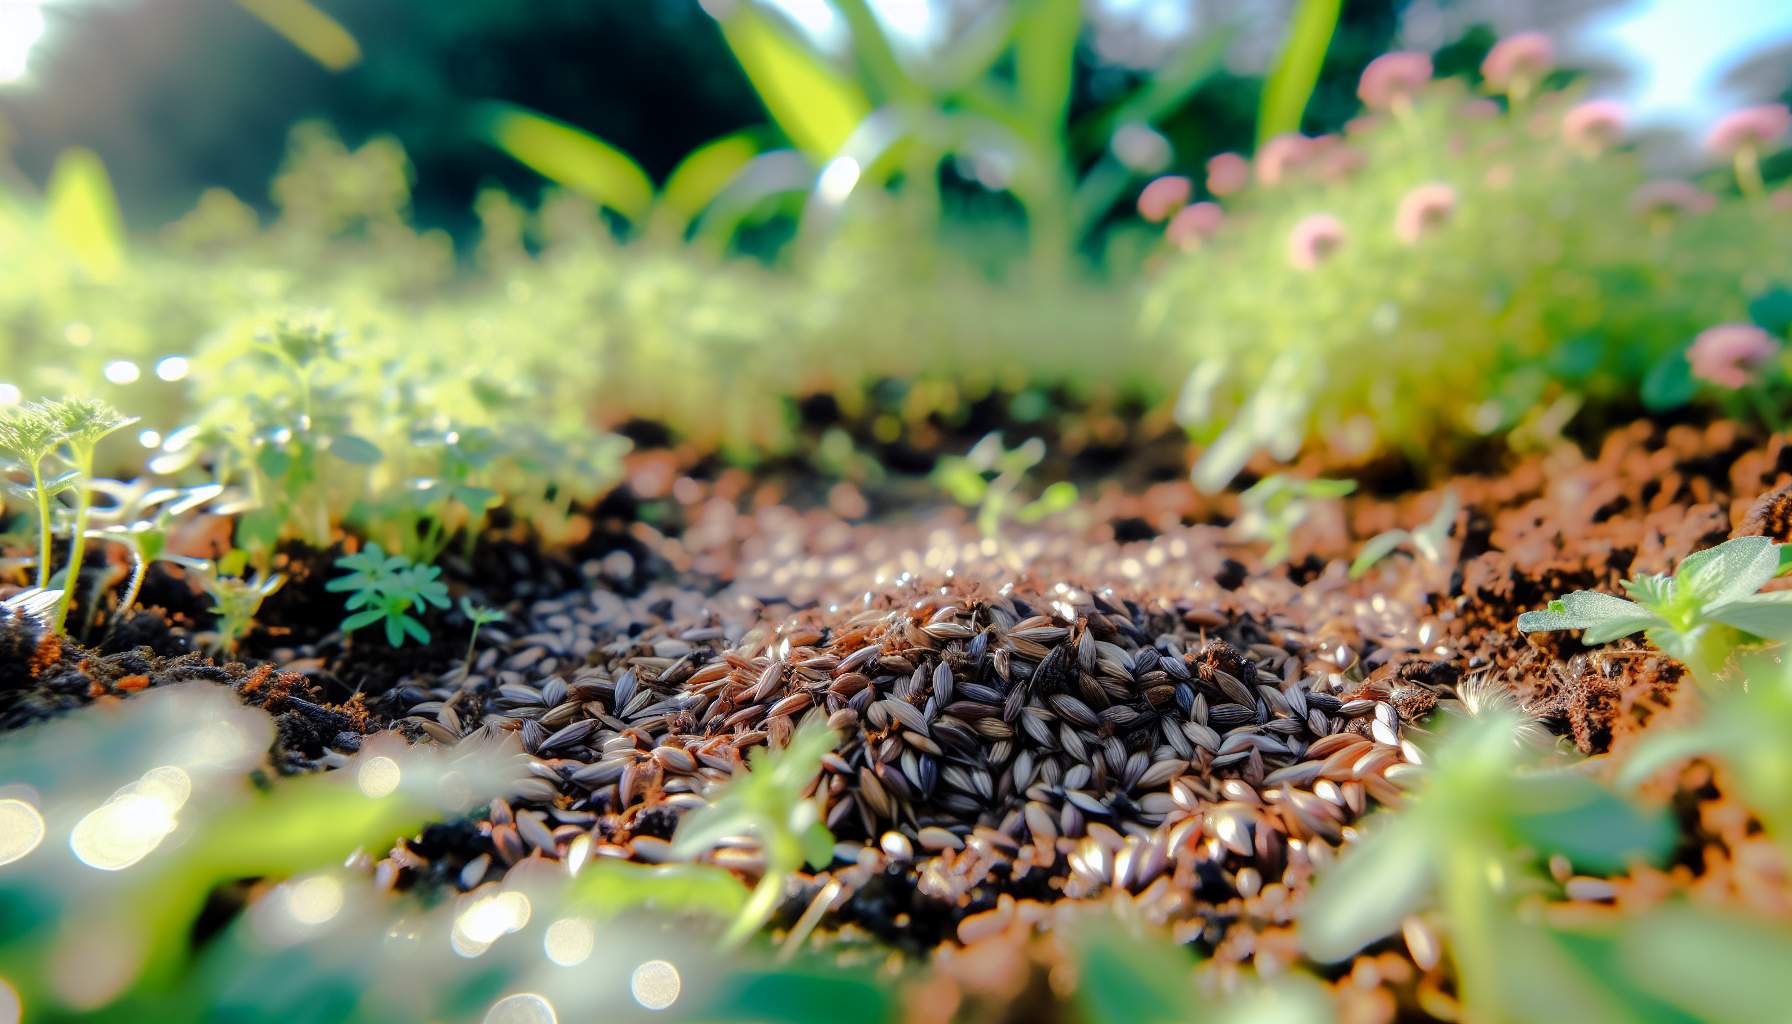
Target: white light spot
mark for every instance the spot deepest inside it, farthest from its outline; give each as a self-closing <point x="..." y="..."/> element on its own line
<point x="522" y="1008"/>
<point x="569" y="941"/>
<point x="11" y="1009"/>
<point x="837" y="180"/>
<point x="10" y="394"/>
<point x="122" y="371"/>
<point x="128" y="827"/>
<point x="655" y="984"/>
<point x="378" y="776"/>
<point x="151" y="439"/>
<point x="314" y="900"/>
<point x="21" y="830"/>
<point x="173" y="368"/>
<point x="21" y="26"/>
<point x="487" y="919"/>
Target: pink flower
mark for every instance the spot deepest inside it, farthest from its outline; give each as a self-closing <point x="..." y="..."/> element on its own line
<point x="1480" y="109"/>
<point x="1194" y="225"/>
<point x="1749" y="128"/>
<point x="1518" y="61"/>
<point x="1163" y="197"/>
<point x="1593" y="125"/>
<point x="1424" y="210"/>
<point x="1280" y="156"/>
<point x="1314" y="240"/>
<point x="1669" y="197"/>
<point x="1729" y="354"/>
<point x="1228" y="173"/>
<point x="1393" y="78"/>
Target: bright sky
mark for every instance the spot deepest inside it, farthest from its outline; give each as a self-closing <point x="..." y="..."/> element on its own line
<point x="1679" y="49"/>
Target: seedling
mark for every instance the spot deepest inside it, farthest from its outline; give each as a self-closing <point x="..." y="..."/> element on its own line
<point x="1699" y="616"/>
<point x="1463" y="855"/>
<point x="70" y="429"/>
<point x="388" y="588"/>
<point x="768" y="803"/>
<point x="1274" y="507"/>
<point x="139" y="520"/>
<point x="1427" y="541"/>
<point x="236" y="600"/>
<point x="990" y="475"/>
<point x="478" y="615"/>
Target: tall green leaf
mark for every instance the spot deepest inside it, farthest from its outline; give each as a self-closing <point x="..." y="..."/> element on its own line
<point x="83" y="213"/>
<point x="569" y="157"/>
<point x="1045" y="60"/>
<point x="705" y="172"/>
<point x="815" y="104"/>
<point x="1290" y="84"/>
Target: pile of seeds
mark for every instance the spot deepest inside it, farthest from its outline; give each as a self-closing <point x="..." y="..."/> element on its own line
<point x="999" y="741"/>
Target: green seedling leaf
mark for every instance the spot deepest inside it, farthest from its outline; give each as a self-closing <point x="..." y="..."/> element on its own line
<point x="1375" y="549"/>
<point x="83" y="214"/>
<point x="357" y="450"/>
<point x="1772" y="311"/>
<point x="1669" y="384"/>
<point x="569" y="157"/>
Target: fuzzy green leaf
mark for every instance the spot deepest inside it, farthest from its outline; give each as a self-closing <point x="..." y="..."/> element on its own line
<point x="1733" y="569"/>
<point x="1603" y="616"/>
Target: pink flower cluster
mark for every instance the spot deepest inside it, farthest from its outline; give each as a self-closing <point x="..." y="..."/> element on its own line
<point x="1753" y="128"/>
<point x="1729" y="355"/>
<point x="1393" y="79"/>
<point x="1518" y="62"/>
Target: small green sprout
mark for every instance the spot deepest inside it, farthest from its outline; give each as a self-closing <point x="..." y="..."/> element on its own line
<point x="139" y="519"/>
<point x="989" y="477"/>
<point x="768" y="803"/>
<point x="388" y="587"/>
<point x="1701" y="615"/>
<point x="1274" y="507"/>
<point x="1427" y="541"/>
<point x="236" y="600"/>
<point x="478" y="615"/>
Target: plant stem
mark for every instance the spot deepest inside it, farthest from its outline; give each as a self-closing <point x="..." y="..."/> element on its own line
<point x="43" y="524"/>
<point x="77" y="545"/>
<point x="759" y="907"/>
<point x="139" y="569"/>
<point x="467" y="667"/>
<point x="1748" y="173"/>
